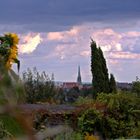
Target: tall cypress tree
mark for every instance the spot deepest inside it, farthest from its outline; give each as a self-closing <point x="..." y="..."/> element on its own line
<point x="105" y="71"/>
<point x="96" y="69"/>
<point x="112" y="84"/>
<point x="100" y="78"/>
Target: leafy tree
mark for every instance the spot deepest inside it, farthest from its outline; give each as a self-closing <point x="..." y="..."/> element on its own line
<point x="112" y="84"/>
<point x="87" y="92"/>
<point x="73" y="94"/>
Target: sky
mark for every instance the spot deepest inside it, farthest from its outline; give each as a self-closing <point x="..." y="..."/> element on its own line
<point x="55" y="35"/>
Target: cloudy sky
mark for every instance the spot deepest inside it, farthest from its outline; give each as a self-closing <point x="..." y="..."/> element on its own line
<point x="55" y="35"/>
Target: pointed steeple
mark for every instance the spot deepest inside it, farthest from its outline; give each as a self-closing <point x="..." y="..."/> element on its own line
<point x="79" y="80"/>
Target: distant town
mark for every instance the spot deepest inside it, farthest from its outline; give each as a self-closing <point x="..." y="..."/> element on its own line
<point x="66" y="86"/>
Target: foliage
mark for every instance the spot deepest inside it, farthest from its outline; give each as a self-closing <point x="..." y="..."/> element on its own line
<point x="121" y="115"/>
<point x="84" y="100"/>
<point x="119" y="118"/>
<point x="100" y="78"/>
<point x="104" y="70"/>
<point x="86" y="92"/>
<point x="90" y="121"/>
<point x="112" y="84"/>
<point x="11" y="90"/>
<point x="72" y="94"/>
<point x="99" y="70"/>
<point x="38" y="86"/>
<point x="60" y="96"/>
<point x="96" y="69"/>
<point x="136" y="87"/>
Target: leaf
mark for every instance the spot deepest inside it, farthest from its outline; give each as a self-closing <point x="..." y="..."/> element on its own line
<point x="18" y="63"/>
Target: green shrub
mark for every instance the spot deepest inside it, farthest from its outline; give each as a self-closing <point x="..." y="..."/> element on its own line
<point x="84" y="100"/>
<point x="121" y="117"/>
<point x="90" y="121"/>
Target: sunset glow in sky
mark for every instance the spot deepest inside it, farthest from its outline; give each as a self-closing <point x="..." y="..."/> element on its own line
<point x="55" y="35"/>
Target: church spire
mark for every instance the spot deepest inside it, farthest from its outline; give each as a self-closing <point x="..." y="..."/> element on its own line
<point x="79" y="81"/>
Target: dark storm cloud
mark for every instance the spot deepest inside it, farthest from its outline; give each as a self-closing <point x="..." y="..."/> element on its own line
<point x="40" y="15"/>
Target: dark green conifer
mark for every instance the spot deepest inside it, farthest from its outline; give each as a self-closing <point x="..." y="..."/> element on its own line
<point x="105" y="71"/>
<point x="96" y="69"/>
<point x="112" y="84"/>
<point x="100" y="78"/>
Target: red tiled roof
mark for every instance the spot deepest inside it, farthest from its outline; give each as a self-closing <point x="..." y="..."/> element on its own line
<point x="70" y="84"/>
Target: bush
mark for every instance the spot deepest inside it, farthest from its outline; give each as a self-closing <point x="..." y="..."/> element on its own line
<point x="90" y="121"/>
<point x="121" y="117"/>
<point x="118" y="118"/>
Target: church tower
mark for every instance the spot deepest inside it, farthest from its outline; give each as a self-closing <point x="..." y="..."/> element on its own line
<point x="79" y="80"/>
